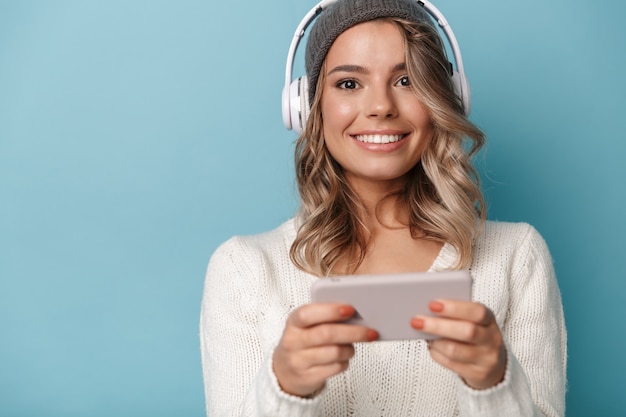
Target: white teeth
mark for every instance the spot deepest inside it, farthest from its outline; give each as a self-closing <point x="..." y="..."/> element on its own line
<point x="378" y="138"/>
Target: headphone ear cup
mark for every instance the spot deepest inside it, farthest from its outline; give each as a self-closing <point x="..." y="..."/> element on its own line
<point x="305" y="107"/>
<point x="294" y="105"/>
<point x="299" y="103"/>
<point x="461" y="88"/>
<point x="286" y="107"/>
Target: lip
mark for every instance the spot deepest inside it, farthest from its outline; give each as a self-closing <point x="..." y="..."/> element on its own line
<point x="380" y="132"/>
<point x="380" y="147"/>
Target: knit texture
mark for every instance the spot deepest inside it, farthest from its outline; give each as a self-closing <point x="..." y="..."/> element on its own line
<point x="344" y="14"/>
<point x="252" y="286"/>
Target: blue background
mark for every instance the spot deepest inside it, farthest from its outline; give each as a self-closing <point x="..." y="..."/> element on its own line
<point x="135" y="136"/>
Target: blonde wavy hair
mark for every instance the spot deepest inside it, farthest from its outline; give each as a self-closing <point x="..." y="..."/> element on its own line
<point x="442" y="191"/>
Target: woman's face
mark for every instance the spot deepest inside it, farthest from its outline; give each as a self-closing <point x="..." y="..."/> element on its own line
<point x="374" y="125"/>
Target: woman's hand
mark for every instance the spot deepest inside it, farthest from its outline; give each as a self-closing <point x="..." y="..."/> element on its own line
<point x="471" y="343"/>
<point x="315" y="346"/>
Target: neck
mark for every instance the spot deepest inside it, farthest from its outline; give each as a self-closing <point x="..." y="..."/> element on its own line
<point x="382" y="208"/>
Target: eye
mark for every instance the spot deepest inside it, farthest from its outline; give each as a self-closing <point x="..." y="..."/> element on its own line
<point x="347" y="84"/>
<point x="403" y="81"/>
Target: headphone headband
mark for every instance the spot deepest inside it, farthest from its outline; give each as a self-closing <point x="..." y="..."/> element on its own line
<point x="295" y="100"/>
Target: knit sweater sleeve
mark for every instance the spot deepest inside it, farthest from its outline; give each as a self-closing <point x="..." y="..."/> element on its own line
<point x="534" y="330"/>
<point x="237" y="368"/>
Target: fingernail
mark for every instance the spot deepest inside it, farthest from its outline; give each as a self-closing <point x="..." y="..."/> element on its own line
<point x="372" y="335"/>
<point x="346" y="311"/>
<point x="417" y="323"/>
<point x="435" y="306"/>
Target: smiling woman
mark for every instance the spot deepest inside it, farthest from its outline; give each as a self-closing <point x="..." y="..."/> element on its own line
<point x="420" y="97"/>
<point x="137" y="136"/>
<point x="386" y="186"/>
<point x="375" y="127"/>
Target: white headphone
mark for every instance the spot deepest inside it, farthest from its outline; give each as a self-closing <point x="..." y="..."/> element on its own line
<point x="295" y="98"/>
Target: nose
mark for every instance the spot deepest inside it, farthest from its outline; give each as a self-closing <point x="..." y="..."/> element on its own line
<point x="381" y="102"/>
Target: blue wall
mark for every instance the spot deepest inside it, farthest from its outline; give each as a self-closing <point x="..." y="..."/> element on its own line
<point x="135" y="136"/>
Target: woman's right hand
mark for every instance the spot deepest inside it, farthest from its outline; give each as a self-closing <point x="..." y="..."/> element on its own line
<point x="316" y="345"/>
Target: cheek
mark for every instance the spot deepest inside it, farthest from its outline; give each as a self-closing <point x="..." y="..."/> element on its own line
<point x="337" y="114"/>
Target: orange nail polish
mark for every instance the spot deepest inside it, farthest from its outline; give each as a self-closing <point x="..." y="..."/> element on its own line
<point x="417" y="323"/>
<point x="372" y="335"/>
<point x="346" y="311"/>
<point x="435" y="306"/>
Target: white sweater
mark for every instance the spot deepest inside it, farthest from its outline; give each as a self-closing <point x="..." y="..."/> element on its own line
<point x="252" y="286"/>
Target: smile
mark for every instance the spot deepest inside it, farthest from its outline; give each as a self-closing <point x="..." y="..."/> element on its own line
<point x="378" y="138"/>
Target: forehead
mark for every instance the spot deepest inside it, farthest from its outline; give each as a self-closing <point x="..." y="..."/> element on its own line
<point x="369" y="42"/>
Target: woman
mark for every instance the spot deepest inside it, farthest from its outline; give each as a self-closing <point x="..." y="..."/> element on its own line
<point x="386" y="186"/>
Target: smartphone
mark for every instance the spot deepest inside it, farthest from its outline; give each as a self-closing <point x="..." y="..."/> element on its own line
<point x="387" y="302"/>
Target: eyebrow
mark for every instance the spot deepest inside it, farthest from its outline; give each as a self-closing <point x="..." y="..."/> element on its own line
<point x="362" y="70"/>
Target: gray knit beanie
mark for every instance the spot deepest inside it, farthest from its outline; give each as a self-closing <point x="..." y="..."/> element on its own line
<point x="344" y="14"/>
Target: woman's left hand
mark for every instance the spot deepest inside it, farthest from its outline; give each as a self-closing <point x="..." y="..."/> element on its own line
<point x="470" y="343"/>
